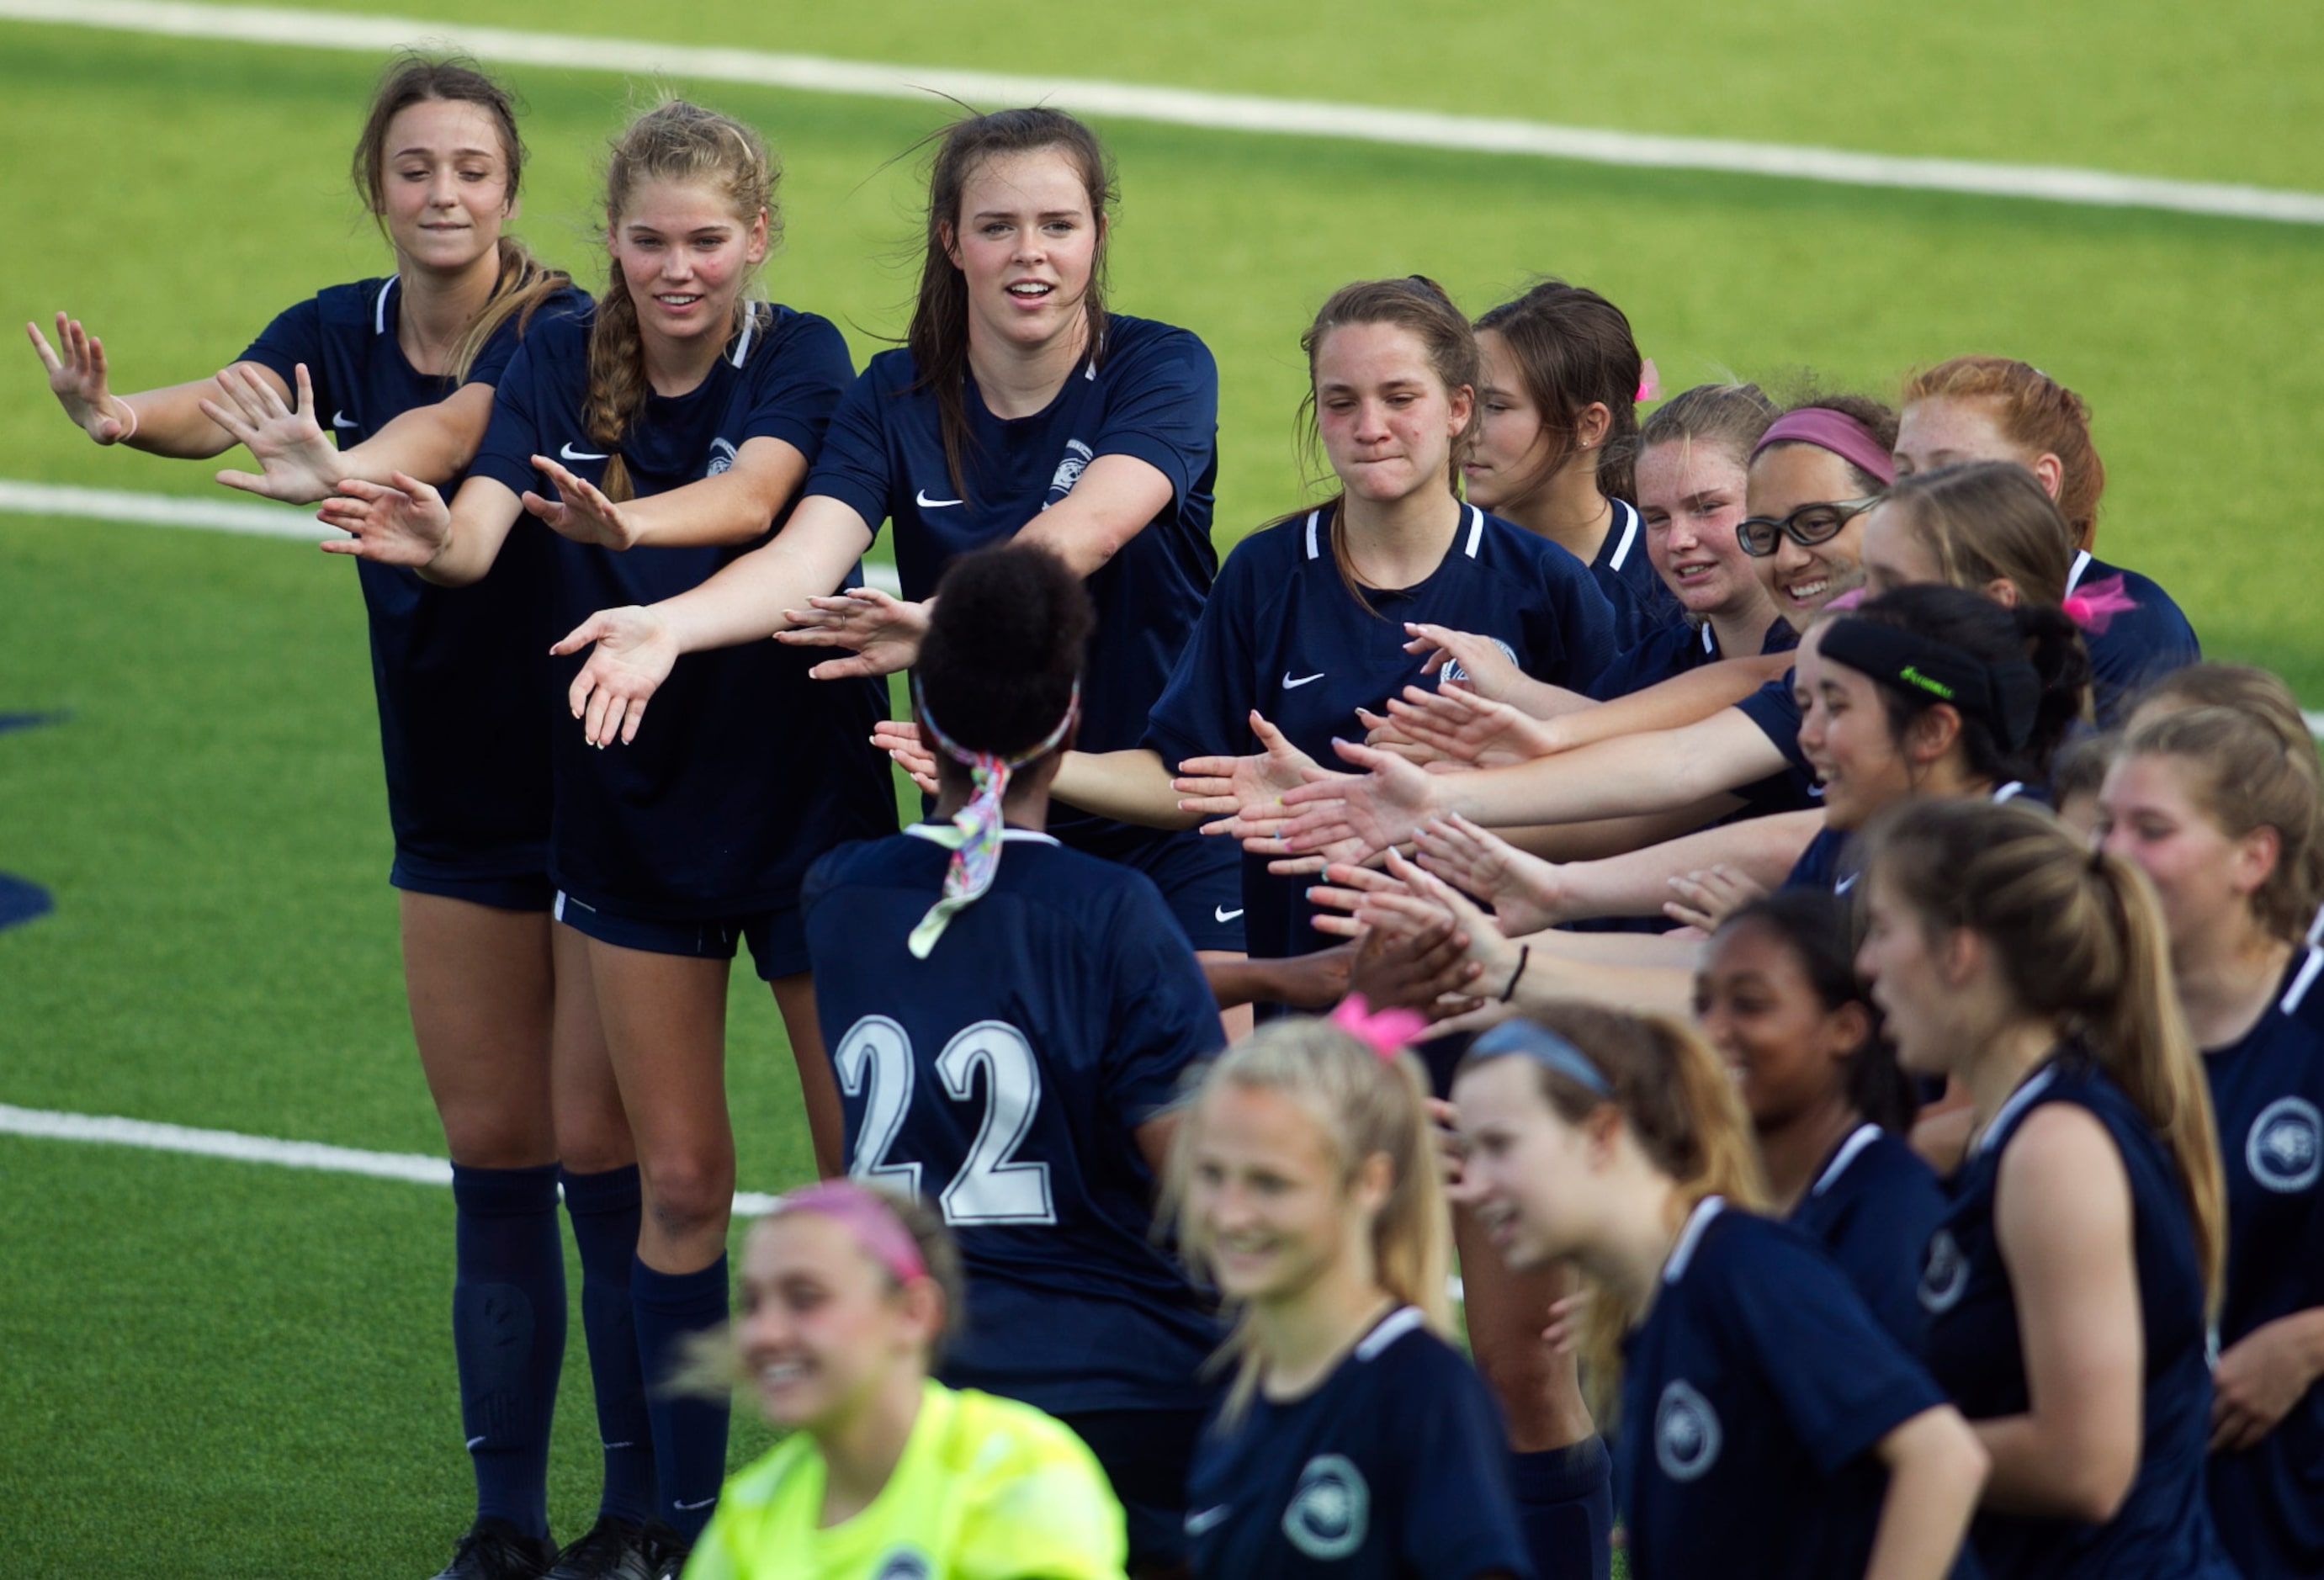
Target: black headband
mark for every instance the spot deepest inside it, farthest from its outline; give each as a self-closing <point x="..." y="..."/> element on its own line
<point x="2005" y="696"/>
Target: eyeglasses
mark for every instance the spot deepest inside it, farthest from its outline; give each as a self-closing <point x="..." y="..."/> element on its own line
<point x="1807" y="526"/>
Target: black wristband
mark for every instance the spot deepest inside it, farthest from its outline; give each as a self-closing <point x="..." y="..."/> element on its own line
<point x="1525" y="953"/>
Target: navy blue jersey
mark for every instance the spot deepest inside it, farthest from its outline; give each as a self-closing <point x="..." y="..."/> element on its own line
<point x="1643" y="604"/>
<point x="1152" y="393"/>
<point x="2139" y="644"/>
<point x="1792" y="788"/>
<point x="1831" y="861"/>
<point x="1283" y="634"/>
<point x="1395" y="1466"/>
<point x="1671" y="649"/>
<point x="2267" y="1092"/>
<point x="1874" y="1205"/>
<point x="461" y="673"/>
<point x="1752" y="1397"/>
<point x="745" y="770"/>
<point x="1069" y="989"/>
<point x="2162" y="1528"/>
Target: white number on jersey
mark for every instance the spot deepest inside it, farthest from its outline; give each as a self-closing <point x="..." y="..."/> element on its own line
<point x="992" y="1187"/>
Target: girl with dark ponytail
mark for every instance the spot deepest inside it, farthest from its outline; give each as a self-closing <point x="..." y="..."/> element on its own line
<point x="1769" y="1425"/>
<point x="674" y="428"/>
<point x="977" y="941"/>
<point x="2071" y="1288"/>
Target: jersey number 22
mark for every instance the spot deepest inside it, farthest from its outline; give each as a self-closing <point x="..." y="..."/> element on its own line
<point x="874" y="1061"/>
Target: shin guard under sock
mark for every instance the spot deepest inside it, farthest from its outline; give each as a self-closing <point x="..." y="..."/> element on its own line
<point x="508" y="1334"/>
<point x="1565" y="1506"/>
<point x="689" y="1435"/>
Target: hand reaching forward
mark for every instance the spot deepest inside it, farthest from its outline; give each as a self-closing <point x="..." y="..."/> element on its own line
<point x="635" y="654"/>
<point x="298" y="464"/>
<point x="1357" y="816"/>
<point x="1485" y="669"/>
<point x="77" y="379"/>
<point x="406" y="525"/>
<point x="1459" y="723"/>
<point x="884" y="631"/>
<point x="1523" y="888"/>
<point x="1245" y="794"/>
<point x="901" y="739"/>
<point x="581" y="511"/>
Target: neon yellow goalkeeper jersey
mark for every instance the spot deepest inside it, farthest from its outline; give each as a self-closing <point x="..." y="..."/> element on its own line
<point x="988" y="1489"/>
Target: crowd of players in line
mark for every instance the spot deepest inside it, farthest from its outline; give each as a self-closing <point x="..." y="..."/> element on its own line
<point x="1921" y="1181"/>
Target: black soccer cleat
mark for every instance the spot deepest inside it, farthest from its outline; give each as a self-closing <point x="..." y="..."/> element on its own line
<point x="494" y="1550"/>
<point x="615" y="1549"/>
<point x="667" y="1551"/>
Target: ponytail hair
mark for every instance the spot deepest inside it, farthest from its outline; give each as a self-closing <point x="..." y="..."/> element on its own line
<point x="1984" y="521"/>
<point x="1419" y="305"/>
<point x="1680" y="1105"/>
<point x="523" y="282"/>
<point x="1366" y="1105"/>
<point x="1575" y="348"/>
<point x="683" y="144"/>
<point x="938" y="335"/>
<point x="2245" y="777"/>
<point x="2035" y="413"/>
<point x="2079" y="939"/>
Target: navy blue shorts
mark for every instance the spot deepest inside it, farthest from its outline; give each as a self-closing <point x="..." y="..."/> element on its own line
<point x="503" y="890"/>
<point x="1146" y="1452"/>
<point x="778" y="939"/>
<point x="1200" y="880"/>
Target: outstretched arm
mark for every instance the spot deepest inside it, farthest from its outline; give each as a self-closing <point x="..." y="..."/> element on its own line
<point x="406" y="522"/>
<point x="731" y="508"/>
<point x="167" y="421"/>
<point x="299" y="463"/>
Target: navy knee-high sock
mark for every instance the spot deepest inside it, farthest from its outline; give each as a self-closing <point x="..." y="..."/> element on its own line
<point x="689" y="1435"/>
<point x="1565" y="1505"/>
<point x="603" y="1207"/>
<point x="508" y="1334"/>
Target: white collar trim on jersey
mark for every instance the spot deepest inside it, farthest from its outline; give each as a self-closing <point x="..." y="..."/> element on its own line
<point x="1863" y="1135"/>
<point x="1628" y="517"/>
<point x="1476" y="532"/>
<point x="2289" y="1003"/>
<point x="750" y="333"/>
<point x="1688" y="1237"/>
<point x="2009" y="791"/>
<point x="2019" y="1101"/>
<point x="1019" y="836"/>
<point x="1392" y="1327"/>
<point x="378" y="308"/>
<point x="2074" y="576"/>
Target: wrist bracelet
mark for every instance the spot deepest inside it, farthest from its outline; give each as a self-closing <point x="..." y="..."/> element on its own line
<point x="1525" y="953"/>
<point x="131" y="432"/>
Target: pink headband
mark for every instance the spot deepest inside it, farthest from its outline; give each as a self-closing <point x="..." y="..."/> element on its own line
<point x="870" y="1219"/>
<point x="1837" y="432"/>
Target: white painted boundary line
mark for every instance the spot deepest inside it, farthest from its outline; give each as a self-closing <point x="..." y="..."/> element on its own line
<point x="155" y="509"/>
<point x="415" y="1168"/>
<point x="262" y="25"/>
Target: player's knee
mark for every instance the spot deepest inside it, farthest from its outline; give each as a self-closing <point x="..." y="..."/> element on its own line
<point x="686" y="1195"/>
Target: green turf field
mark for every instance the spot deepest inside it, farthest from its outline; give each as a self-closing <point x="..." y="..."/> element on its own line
<point x="219" y="1369"/>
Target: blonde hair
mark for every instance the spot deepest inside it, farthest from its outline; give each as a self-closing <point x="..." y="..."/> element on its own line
<point x="683" y="144"/>
<point x="1683" y="1109"/>
<point x="2244" y="776"/>
<point x="1366" y="1106"/>
<point x="2079" y="939"/>
<point x="1984" y="521"/>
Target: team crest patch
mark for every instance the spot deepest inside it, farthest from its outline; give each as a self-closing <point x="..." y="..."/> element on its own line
<point x="1078" y="457"/>
<point x="1686" y="1432"/>
<point x="1332" y="1510"/>
<point x="1452" y="670"/>
<point x="905" y="1563"/>
<point x="2285" y="1149"/>
<point x="721" y="457"/>
<point x="1945" y="1276"/>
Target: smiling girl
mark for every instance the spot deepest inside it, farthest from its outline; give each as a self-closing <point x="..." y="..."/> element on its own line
<point x="674" y="426"/>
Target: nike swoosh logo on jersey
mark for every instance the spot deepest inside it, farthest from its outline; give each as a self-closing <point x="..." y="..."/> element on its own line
<point x="1222" y="914"/>
<point x="341" y="420"/>
<point x="1291" y="685"/>
<point x="925" y="503"/>
<point x="1198" y="1523"/>
<point x="570" y="453"/>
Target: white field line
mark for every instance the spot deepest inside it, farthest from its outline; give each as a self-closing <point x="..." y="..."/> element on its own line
<point x="414" y="1167"/>
<point x="1246" y="113"/>
<point x="155" y="509"/>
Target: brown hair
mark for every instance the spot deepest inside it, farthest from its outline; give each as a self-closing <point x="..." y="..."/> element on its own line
<point x="2081" y="765"/>
<point x="685" y="144"/>
<point x="1574" y="349"/>
<point x="1418" y="304"/>
<point x="2078" y="940"/>
<point x="524" y="282"/>
<point x="2244" y="776"/>
<point x="1867" y="413"/>
<point x="1728" y="417"/>
<point x="1985" y="521"/>
<point x="2037" y="413"/>
<point x="1681" y="1106"/>
<point x="938" y="335"/>
<point x="1366" y="1107"/>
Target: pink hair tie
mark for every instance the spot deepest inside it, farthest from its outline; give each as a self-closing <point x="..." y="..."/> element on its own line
<point x="1387" y="1032"/>
<point x="1845" y="602"/>
<point x="867" y="1217"/>
<point x="2094" y="607"/>
<point x="1650" y="383"/>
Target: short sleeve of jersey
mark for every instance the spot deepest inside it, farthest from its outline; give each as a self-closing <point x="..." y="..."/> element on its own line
<point x="1162" y="407"/>
<point x="1459" y="1517"/>
<point x="807" y="373"/>
<point x="1777" y="715"/>
<point x="1585" y="640"/>
<point x="852" y="466"/>
<point x="295" y="336"/>
<point x="1165" y="1017"/>
<point x="1043" y="1511"/>
<point x="512" y="437"/>
<point x="1206" y="709"/>
<point x="492" y="358"/>
<point x="1843" y="1383"/>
